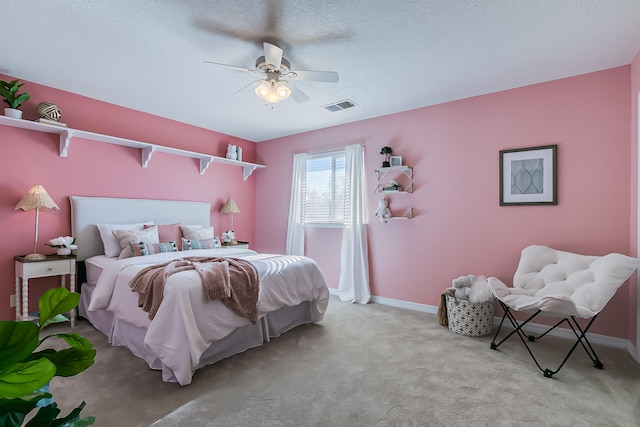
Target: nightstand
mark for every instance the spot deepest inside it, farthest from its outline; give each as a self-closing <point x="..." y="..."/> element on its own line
<point x="52" y="265"/>
<point x="240" y="245"/>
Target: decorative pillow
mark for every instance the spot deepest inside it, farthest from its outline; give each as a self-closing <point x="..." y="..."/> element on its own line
<point x="196" y="232"/>
<point x="168" y="232"/>
<point x="142" y="248"/>
<point x="212" y="243"/>
<point x="109" y="242"/>
<point x="149" y="236"/>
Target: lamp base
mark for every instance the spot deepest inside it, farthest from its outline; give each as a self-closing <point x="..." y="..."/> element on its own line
<point x="35" y="256"/>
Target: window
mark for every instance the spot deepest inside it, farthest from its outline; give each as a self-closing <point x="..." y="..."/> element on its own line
<point x="324" y="201"/>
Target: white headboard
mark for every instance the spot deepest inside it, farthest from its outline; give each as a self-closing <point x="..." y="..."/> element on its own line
<point x="86" y="212"/>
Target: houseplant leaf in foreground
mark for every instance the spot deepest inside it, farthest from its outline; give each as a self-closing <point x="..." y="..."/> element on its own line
<point x="14" y="411"/>
<point x="54" y="302"/>
<point x="47" y="417"/>
<point x="23" y="378"/>
<point x="70" y="361"/>
<point x="17" y="341"/>
<point x="23" y="370"/>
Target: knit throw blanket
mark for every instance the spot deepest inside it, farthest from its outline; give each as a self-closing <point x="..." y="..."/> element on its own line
<point x="234" y="281"/>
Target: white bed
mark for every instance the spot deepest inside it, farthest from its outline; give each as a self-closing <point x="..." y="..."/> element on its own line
<point x="186" y="332"/>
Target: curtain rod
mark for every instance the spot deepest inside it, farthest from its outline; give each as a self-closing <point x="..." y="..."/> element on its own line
<point x="324" y="151"/>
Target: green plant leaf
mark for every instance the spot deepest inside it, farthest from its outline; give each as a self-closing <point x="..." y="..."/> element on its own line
<point x="4" y="92"/>
<point x="59" y="318"/>
<point x="45" y="416"/>
<point x="17" y="341"/>
<point x="80" y="422"/>
<point x="74" y="420"/>
<point x="71" y="361"/>
<point x="56" y="301"/>
<point x="24" y="378"/>
<point x="14" y="411"/>
<point x="20" y="99"/>
<point x="77" y="341"/>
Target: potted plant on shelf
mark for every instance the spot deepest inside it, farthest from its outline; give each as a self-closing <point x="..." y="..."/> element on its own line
<point x="25" y="373"/>
<point x="387" y="151"/>
<point x="10" y="95"/>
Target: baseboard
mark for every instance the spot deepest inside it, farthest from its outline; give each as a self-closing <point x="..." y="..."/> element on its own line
<point x="604" y="340"/>
<point x="397" y="303"/>
<point x="634" y="351"/>
<point x="425" y="308"/>
<point x="532" y="327"/>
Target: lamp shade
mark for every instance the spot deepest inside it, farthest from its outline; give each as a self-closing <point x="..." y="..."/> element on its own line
<point x="37" y="198"/>
<point x="230" y="207"/>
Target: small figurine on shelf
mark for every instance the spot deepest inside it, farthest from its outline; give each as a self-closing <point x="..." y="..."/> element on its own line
<point x="383" y="213"/>
<point x="387" y="151"/>
<point x="232" y="152"/>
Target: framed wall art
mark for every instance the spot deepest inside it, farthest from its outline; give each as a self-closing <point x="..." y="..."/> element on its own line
<point x="529" y="176"/>
<point x="396" y="161"/>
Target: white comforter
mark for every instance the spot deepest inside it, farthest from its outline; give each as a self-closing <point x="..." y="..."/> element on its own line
<point x="185" y="325"/>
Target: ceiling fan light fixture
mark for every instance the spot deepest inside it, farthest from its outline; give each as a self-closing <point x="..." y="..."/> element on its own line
<point x="282" y="91"/>
<point x="273" y="91"/>
<point x="263" y="89"/>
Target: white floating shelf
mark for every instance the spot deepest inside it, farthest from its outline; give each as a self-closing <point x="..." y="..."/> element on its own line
<point x="147" y="149"/>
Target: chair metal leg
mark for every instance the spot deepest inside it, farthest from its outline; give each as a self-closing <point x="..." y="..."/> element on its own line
<point x="581" y="338"/>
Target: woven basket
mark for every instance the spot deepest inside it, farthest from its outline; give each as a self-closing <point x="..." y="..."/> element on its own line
<point x="472" y="319"/>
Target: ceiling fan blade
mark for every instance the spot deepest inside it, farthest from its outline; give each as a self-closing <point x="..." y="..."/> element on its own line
<point x="297" y="95"/>
<point x="235" y="67"/>
<point x="272" y="56"/>
<point x="255" y="83"/>
<point x="318" y="76"/>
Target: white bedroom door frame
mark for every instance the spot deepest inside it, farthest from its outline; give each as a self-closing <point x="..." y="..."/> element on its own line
<point x="636" y="353"/>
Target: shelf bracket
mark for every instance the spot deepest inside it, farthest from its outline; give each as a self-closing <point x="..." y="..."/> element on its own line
<point x="147" y="152"/>
<point x="247" y="170"/>
<point x="204" y="164"/>
<point x="65" y="140"/>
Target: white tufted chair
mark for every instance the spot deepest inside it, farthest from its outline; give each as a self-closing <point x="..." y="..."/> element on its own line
<point x="562" y="284"/>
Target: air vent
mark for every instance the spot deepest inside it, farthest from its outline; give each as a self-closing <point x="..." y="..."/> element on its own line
<point x="338" y="106"/>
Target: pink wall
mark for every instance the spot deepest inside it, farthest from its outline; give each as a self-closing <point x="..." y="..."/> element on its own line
<point x="99" y="169"/>
<point x="633" y="236"/>
<point x="459" y="227"/>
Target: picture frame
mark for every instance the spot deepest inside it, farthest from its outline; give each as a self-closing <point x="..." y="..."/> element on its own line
<point x="395" y="161"/>
<point x="529" y="176"/>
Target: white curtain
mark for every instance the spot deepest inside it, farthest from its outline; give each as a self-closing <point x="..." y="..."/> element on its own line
<point x="353" y="285"/>
<point x="295" y="229"/>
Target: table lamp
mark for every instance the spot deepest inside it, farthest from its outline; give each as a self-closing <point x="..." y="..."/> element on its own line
<point x="231" y="208"/>
<point x="36" y="198"/>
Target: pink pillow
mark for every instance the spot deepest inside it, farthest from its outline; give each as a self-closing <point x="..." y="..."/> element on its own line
<point x="168" y="232"/>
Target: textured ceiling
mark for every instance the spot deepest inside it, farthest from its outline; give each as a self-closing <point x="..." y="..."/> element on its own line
<point x="391" y="55"/>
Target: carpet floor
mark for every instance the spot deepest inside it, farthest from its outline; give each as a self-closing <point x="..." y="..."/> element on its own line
<point x="364" y="365"/>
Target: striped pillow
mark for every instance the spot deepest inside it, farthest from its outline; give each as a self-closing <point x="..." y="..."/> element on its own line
<point x="142" y="248"/>
<point x="188" y="244"/>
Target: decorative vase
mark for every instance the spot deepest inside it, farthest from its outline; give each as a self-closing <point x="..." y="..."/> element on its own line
<point x="63" y="251"/>
<point x="13" y="113"/>
<point x="386" y="164"/>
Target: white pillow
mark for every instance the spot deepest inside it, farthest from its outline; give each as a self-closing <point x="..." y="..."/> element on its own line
<point x="109" y="242"/>
<point x="196" y="232"/>
<point x="149" y="236"/>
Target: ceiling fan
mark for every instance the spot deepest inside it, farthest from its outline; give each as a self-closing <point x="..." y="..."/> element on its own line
<point x="277" y="84"/>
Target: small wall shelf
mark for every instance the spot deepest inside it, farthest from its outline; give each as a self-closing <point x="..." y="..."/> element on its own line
<point x="407" y="215"/>
<point x="407" y="172"/>
<point x="147" y="149"/>
<point x="382" y="172"/>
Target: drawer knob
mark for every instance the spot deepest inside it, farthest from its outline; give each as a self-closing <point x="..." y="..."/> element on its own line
<point x="50" y="268"/>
